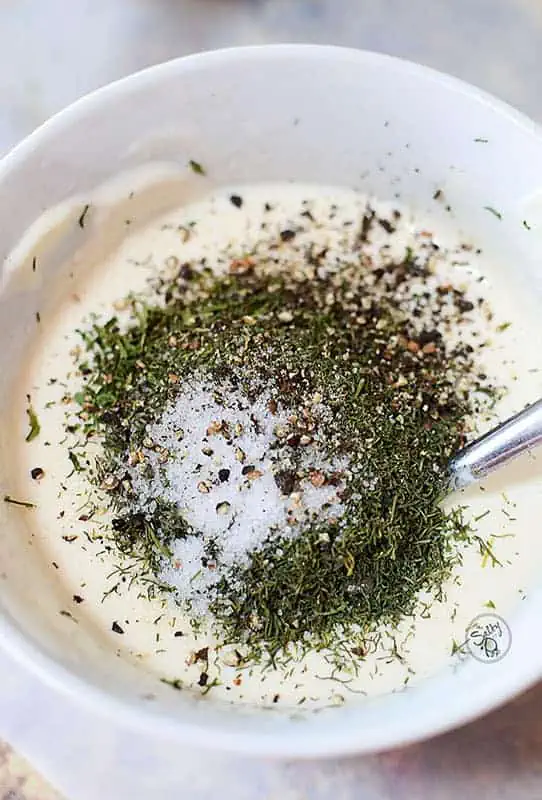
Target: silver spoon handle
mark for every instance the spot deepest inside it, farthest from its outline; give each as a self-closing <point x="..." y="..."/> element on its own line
<point x="497" y="447"/>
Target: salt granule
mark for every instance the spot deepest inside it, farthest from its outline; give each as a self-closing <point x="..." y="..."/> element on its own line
<point x="211" y="430"/>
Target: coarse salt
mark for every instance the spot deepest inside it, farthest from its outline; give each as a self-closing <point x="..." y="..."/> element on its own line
<point x="223" y="455"/>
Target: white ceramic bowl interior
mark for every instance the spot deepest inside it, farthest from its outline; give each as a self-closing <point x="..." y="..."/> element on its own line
<point x="312" y="114"/>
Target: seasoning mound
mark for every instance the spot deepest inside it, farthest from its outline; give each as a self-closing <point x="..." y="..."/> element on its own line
<point x="274" y="431"/>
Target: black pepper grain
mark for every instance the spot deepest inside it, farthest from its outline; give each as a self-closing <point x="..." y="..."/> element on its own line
<point x="248" y="468"/>
<point x="186" y="272"/>
<point x="388" y="227"/>
<point x="286" y="481"/>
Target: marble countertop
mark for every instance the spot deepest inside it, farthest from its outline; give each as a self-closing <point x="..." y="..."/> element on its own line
<point x="51" y="53"/>
<point x="20" y="781"/>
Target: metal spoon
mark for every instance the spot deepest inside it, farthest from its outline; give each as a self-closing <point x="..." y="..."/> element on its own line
<point x="497" y="447"/>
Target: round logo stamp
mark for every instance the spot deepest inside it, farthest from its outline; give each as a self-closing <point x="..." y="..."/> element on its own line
<point x="488" y="638"/>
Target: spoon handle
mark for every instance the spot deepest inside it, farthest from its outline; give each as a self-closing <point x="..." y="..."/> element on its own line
<point x="497" y="447"/>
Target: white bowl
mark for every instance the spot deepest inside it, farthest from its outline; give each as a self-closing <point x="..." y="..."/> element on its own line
<point x="312" y="114"/>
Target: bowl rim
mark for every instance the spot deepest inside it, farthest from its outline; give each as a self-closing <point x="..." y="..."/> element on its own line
<point x="53" y="674"/>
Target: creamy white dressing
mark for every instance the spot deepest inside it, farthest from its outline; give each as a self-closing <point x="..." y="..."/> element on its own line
<point x="152" y="629"/>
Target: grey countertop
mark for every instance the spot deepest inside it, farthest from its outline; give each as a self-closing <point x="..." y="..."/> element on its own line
<point x="53" y="51"/>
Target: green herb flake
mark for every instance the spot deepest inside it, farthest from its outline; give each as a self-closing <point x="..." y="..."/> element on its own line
<point x="503" y="326"/>
<point x="490" y="604"/>
<point x="486" y="551"/>
<point x="209" y="686"/>
<point x="196" y="167"/>
<point x="456" y="648"/>
<point x="14" y="502"/>
<point x="35" y="426"/>
<point x="75" y="461"/>
<point x="176" y="683"/>
<point x="493" y="211"/>
<point x="82" y="218"/>
<point x="526" y="225"/>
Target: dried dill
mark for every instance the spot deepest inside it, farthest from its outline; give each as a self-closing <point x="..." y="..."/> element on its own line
<point x="82" y="217"/>
<point x="34" y="423"/>
<point x="14" y="502"/>
<point x="396" y="397"/>
<point x="196" y="167"/>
